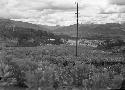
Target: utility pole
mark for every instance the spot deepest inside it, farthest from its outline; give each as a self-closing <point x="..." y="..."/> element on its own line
<point x="77" y="29"/>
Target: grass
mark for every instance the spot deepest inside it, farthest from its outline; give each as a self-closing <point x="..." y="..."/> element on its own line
<point x="11" y="88"/>
<point x="83" y="51"/>
<point x="14" y="88"/>
<point x="62" y="52"/>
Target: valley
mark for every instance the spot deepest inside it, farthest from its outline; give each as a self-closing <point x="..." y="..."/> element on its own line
<point x="35" y="57"/>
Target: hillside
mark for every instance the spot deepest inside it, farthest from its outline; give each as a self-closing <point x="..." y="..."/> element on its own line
<point x="94" y="31"/>
<point x="21" y="24"/>
<point x="28" y="25"/>
<point x="50" y="28"/>
<point x="25" y="34"/>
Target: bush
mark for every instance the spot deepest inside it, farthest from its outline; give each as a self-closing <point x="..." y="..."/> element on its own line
<point x="109" y="44"/>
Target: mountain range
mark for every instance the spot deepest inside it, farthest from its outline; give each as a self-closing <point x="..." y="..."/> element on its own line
<point x="89" y="31"/>
<point x="94" y="31"/>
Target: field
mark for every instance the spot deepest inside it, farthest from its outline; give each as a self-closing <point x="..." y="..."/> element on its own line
<point x="43" y="66"/>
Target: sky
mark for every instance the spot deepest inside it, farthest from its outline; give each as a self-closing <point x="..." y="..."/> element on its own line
<point x="62" y="12"/>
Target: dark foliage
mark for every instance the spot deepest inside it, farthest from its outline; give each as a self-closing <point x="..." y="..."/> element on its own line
<point x="0" y="78"/>
<point x="123" y="85"/>
<point x="111" y="44"/>
<point x="56" y="85"/>
<point x="29" y="37"/>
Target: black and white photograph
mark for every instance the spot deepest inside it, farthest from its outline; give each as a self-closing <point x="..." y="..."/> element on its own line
<point x="62" y="44"/>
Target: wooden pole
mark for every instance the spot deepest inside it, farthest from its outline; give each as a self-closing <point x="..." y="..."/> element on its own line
<point x="77" y="30"/>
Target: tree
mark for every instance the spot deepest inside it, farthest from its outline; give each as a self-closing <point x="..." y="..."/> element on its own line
<point x="111" y="43"/>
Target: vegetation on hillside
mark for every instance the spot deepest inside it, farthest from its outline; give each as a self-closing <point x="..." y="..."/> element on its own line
<point x="94" y="31"/>
<point x="22" y="36"/>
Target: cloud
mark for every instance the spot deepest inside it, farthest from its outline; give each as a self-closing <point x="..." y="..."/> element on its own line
<point x="53" y="12"/>
<point x="117" y="2"/>
<point x="115" y="6"/>
<point x="113" y="9"/>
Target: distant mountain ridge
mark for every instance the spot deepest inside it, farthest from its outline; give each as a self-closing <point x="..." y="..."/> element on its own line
<point x="94" y="31"/>
<point x="90" y="31"/>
